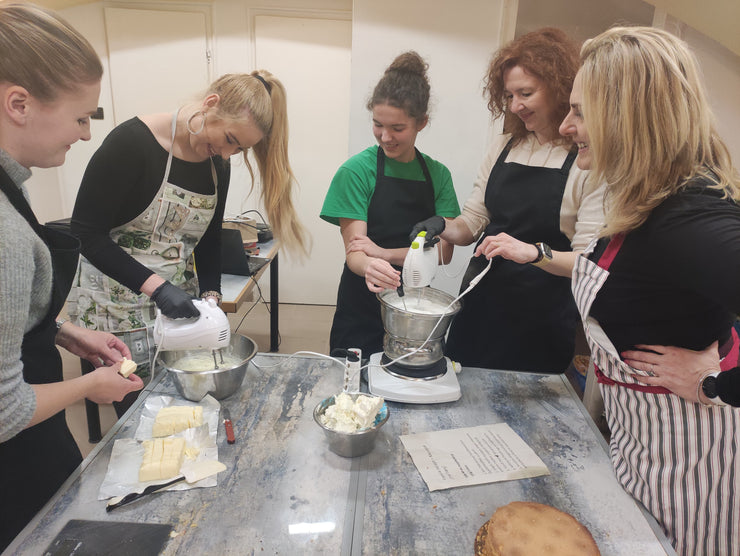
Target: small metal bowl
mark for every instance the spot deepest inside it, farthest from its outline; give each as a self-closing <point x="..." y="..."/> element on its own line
<point x="351" y="444"/>
<point x="219" y="383"/>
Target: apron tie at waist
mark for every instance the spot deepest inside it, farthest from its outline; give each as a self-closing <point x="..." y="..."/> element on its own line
<point x="726" y="352"/>
<point x="603" y="379"/>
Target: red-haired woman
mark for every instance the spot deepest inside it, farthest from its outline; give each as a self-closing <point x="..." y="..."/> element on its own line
<point x="532" y="209"/>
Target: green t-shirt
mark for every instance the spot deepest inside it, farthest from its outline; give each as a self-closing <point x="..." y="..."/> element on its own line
<point x="353" y="185"/>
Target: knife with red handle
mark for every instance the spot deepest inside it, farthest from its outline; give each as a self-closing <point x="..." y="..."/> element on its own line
<point x="229" y="426"/>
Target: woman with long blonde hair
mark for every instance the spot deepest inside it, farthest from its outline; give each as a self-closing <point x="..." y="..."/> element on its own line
<point x="665" y="272"/>
<point x="151" y="203"/>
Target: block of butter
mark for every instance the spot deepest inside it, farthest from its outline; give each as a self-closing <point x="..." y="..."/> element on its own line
<point x="162" y="458"/>
<point x="176" y="418"/>
<point x="127" y="367"/>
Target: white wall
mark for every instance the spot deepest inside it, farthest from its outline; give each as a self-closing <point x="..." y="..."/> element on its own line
<point x="457" y="42"/>
<point x="721" y="69"/>
<point x="456" y="38"/>
<point x="53" y="191"/>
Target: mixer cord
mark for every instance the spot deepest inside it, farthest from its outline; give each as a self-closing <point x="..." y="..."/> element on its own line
<point x="473" y="283"/>
<point x="261" y="298"/>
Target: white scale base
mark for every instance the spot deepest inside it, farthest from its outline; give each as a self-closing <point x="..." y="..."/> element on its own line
<point x="443" y="389"/>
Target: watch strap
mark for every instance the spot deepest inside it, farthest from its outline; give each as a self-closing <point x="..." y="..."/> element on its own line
<point x="545" y="255"/>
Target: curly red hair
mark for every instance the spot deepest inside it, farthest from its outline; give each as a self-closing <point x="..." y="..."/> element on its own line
<point x="549" y="55"/>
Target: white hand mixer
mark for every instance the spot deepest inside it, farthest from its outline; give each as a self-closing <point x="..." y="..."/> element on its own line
<point x="419" y="266"/>
<point x="209" y="331"/>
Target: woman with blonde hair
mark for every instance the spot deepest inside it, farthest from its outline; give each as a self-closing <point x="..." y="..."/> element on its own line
<point x="664" y="272"/>
<point x="154" y="194"/>
<point x="49" y="87"/>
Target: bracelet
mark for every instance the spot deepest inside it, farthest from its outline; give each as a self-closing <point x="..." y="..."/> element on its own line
<point x="212" y="293"/>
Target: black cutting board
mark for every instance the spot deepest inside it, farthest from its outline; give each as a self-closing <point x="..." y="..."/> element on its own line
<point x="80" y="537"/>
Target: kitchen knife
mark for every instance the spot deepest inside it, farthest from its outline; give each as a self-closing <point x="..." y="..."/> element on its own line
<point x="228" y="425"/>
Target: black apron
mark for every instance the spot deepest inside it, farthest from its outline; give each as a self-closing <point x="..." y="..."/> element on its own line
<point x="396" y="205"/>
<point x="518" y="317"/>
<point x="39" y="459"/>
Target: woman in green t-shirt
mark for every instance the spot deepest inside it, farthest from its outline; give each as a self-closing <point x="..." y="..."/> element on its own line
<point x="378" y="195"/>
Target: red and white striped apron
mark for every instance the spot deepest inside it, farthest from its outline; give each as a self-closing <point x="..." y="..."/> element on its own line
<point x="679" y="459"/>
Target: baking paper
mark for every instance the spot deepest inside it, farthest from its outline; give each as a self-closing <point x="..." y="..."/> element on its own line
<point x="122" y="476"/>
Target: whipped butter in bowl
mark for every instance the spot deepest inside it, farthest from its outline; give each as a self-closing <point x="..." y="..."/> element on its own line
<point x="351" y="421"/>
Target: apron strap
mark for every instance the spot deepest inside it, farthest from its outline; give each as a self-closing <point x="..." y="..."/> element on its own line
<point x="607" y="257"/>
<point x="19" y="202"/>
<point x="214" y="175"/>
<point x="380" y="165"/>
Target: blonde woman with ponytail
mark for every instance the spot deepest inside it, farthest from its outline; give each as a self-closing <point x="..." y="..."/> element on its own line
<point x="271" y="154"/>
<point x="151" y="203"/>
<point x="661" y="283"/>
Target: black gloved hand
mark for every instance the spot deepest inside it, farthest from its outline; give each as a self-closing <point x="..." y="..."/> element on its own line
<point x="174" y="302"/>
<point x="433" y="226"/>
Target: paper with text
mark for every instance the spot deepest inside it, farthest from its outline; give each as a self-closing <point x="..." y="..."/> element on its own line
<point x="472" y="456"/>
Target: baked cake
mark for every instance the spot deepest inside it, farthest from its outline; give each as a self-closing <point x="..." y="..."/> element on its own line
<point x="532" y="529"/>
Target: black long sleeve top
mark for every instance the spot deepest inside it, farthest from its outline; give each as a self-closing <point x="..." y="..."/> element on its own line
<point x="120" y="181"/>
<point x="676" y="279"/>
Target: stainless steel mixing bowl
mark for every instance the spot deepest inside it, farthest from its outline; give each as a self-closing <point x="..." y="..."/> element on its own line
<point x="351" y="444"/>
<point x="219" y="383"/>
<point x="406" y="330"/>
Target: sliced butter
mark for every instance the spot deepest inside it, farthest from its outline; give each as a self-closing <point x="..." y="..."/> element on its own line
<point x="127" y="367"/>
<point x="162" y="459"/>
<point x="175" y="418"/>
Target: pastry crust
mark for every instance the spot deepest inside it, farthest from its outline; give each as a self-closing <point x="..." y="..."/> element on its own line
<point x="533" y="529"/>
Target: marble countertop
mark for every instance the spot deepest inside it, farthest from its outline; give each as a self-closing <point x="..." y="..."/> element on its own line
<point x="284" y="492"/>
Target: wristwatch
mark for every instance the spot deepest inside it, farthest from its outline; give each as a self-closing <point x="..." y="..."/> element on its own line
<point x="544" y="256"/>
<point x="709" y="386"/>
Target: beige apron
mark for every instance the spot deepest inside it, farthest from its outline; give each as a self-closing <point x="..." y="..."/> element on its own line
<point x="162" y="238"/>
<point x="680" y="459"/>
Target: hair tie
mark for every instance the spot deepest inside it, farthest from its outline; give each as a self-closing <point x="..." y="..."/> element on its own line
<point x="265" y="83"/>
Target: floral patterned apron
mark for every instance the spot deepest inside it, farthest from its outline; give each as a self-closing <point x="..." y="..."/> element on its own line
<point x="162" y="238"/>
<point x="680" y="459"/>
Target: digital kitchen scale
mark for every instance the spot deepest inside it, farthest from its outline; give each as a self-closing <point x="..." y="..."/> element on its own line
<point x="434" y="384"/>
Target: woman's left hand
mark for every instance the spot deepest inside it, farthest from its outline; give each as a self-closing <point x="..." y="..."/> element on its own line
<point x="365" y="245"/>
<point x="677" y="369"/>
<point x="503" y="245"/>
<point x="100" y="348"/>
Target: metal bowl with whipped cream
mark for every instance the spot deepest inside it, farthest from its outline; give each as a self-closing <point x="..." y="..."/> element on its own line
<point x="347" y="423"/>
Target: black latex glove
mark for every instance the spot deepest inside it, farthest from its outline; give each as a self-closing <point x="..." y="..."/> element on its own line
<point x="174" y="302"/>
<point x="433" y="226"/>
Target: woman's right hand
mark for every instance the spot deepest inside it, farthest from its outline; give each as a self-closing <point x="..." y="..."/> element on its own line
<point x="174" y="302"/>
<point x="380" y="275"/>
<point x="108" y="386"/>
<point x="680" y="370"/>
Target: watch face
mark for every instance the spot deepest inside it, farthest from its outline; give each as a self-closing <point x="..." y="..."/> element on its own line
<point x="709" y="387"/>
